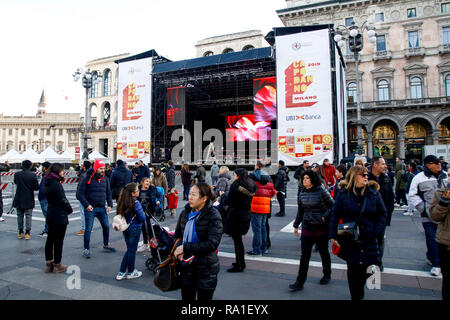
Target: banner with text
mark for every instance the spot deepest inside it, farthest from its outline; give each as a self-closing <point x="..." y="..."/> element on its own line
<point x="134" y="110"/>
<point x="305" y="111"/>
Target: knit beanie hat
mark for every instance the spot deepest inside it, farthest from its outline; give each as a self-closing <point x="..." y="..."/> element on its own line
<point x="97" y="165"/>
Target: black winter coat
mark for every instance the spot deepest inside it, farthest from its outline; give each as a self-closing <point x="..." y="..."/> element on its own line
<point x="186" y="176"/>
<point x="170" y="178"/>
<point x="239" y="202"/>
<point x="313" y="205"/>
<point x="26" y="183"/>
<point x="120" y="177"/>
<point x="209" y="231"/>
<point x="369" y="213"/>
<point x="386" y="190"/>
<point x="97" y="193"/>
<point x="281" y="180"/>
<point x="58" y="206"/>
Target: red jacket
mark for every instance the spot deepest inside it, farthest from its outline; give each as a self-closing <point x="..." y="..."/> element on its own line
<point x="172" y="198"/>
<point x="261" y="199"/>
<point x="329" y="174"/>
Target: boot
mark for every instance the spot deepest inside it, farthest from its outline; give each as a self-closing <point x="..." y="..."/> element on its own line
<point x="49" y="266"/>
<point x="325" y="279"/>
<point x="296" y="286"/>
<point x="59" y="268"/>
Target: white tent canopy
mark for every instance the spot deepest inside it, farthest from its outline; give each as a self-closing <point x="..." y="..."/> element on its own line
<point x="31" y="155"/>
<point x="50" y="155"/>
<point x="12" y="156"/>
<point x="94" y="155"/>
<point x="66" y="156"/>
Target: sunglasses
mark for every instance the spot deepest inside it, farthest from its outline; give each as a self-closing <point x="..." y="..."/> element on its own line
<point x="365" y="175"/>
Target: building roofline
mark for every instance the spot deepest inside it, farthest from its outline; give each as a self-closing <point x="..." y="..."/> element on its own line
<point x="313" y="5"/>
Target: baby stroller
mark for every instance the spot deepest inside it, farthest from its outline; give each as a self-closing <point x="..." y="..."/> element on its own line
<point x="159" y="209"/>
<point x="161" y="244"/>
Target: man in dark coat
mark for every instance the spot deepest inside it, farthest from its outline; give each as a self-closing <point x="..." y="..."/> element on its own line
<point x="170" y="176"/>
<point x="377" y="174"/>
<point x="280" y="186"/>
<point x="26" y="183"/>
<point x="120" y="177"/>
<point x="94" y="192"/>
<point x="142" y="172"/>
<point x="201" y="173"/>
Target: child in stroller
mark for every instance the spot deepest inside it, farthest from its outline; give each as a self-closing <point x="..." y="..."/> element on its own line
<point x="161" y="244"/>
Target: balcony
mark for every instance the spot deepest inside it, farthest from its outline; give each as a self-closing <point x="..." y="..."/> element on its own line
<point x="423" y="102"/>
<point x="445" y="48"/>
<point x="382" y="55"/>
<point x="102" y="128"/>
<point x="414" y="52"/>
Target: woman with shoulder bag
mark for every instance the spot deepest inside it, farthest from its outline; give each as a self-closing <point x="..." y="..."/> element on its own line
<point x="200" y="227"/>
<point x="440" y="211"/>
<point x="58" y="210"/>
<point x="357" y="220"/>
<point x="314" y="208"/>
<point x="131" y="209"/>
<point x="239" y="201"/>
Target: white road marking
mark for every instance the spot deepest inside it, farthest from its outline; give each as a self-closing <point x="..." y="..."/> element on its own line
<point x="337" y="266"/>
<point x="289" y="228"/>
<point x="12" y="215"/>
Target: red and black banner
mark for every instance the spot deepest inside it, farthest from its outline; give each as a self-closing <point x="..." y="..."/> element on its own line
<point x="176" y="106"/>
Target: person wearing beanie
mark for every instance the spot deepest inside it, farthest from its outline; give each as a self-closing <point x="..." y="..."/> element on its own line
<point x="26" y="183"/>
<point x="81" y="175"/>
<point x="94" y="193"/>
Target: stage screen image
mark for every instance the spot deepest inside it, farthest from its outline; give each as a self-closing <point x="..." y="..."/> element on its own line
<point x="265" y="99"/>
<point x="176" y="106"/>
<point x="247" y="129"/>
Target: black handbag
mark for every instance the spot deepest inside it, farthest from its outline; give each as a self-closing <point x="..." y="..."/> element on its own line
<point x="167" y="276"/>
<point x="349" y="230"/>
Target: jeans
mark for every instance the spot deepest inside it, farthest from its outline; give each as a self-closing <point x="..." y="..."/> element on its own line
<point x="258" y="221"/>
<point x="187" y="188"/>
<point x="102" y="216"/>
<point x="444" y="259"/>
<point x="357" y="276"/>
<point x="307" y="245"/>
<point x="400" y="196"/>
<point x="83" y="218"/>
<point x="54" y="243"/>
<point x="214" y="180"/>
<point x="131" y="236"/>
<point x="432" y="247"/>
<point x="44" y="206"/>
<point x="281" y="201"/>
<point x="28" y="213"/>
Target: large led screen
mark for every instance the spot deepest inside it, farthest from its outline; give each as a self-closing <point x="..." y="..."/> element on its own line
<point x="176" y="106"/>
<point x="265" y="99"/>
<point x="245" y="128"/>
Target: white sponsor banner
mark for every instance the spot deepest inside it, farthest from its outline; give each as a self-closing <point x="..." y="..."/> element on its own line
<point x="134" y="110"/>
<point x="304" y="97"/>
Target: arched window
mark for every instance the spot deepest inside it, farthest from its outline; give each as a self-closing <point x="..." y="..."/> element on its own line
<point x="228" y="50"/>
<point x="106" y="114"/>
<point x="351" y="92"/>
<point x="208" y="53"/>
<point x="416" y="87"/>
<point x="383" y="90"/>
<point x="248" y="47"/>
<point x="107" y="82"/>
<point x="94" y="88"/>
<point x="447" y="85"/>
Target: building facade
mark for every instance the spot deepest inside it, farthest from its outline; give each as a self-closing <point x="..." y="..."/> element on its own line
<point x="57" y="130"/>
<point x="102" y="104"/>
<point x="405" y="74"/>
<point x="230" y="43"/>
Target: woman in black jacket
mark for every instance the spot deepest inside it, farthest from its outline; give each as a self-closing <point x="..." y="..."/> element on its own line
<point x="358" y="201"/>
<point x="200" y="227"/>
<point x="239" y="202"/>
<point x="186" y="178"/>
<point x="58" y="210"/>
<point x="314" y="208"/>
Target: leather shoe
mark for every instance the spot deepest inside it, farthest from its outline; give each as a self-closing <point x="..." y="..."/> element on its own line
<point x="296" y="286"/>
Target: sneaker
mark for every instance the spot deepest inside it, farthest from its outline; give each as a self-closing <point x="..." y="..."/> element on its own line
<point x="80" y="233"/>
<point x="143" y="248"/>
<point x="396" y="205"/>
<point x="20" y="235"/>
<point x="407" y="213"/>
<point x="435" y="271"/>
<point x="134" y="274"/>
<point x="121" y="276"/>
<point x="43" y="234"/>
<point x="251" y="253"/>
<point x="109" y="248"/>
<point x="2" y="219"/>
<point x="404" y="206"/>
<point x="86" y="253"/>
<point x="27" y="236"/>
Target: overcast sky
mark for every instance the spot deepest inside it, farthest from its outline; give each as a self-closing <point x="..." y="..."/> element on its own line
<point x="44" y="41"/>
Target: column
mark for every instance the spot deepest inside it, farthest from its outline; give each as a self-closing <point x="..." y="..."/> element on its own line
<point x="401" y="145"/>
<point x="28" y="137"/>
<point x="16" y="139"/>
<point x="435" y="136"/>
<point x="369" y="144"/>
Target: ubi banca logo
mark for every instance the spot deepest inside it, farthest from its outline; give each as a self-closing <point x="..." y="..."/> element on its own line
<point x="303" y="117"/>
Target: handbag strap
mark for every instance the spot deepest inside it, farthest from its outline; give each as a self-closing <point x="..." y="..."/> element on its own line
<point x="174" y="246"/>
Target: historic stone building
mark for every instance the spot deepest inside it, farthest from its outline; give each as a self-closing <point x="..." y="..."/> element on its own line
<point x="230" y="43"/>
<point x="57" y="130"/>
<point x="405" y="87"/>
<point x="102" y="102"/>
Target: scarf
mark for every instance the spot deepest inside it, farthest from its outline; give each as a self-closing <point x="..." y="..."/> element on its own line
<point x="190" y="234"/>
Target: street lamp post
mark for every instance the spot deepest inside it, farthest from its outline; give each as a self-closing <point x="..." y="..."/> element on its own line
<point x="356" y="44"/>
<point x="88" y="80"/>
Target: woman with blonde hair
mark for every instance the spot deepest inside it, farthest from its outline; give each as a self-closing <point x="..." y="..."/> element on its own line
<point x="359" y="207"/>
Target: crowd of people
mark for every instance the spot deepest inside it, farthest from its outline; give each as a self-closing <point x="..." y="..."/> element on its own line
<point x="349" y="205"/>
